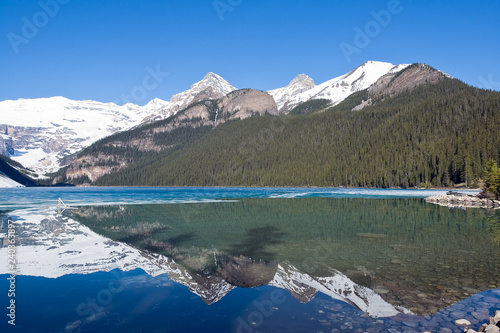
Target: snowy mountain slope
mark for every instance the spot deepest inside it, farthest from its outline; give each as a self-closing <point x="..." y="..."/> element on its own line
<point x="7" y="182"/>
<point x="13" y="174"/>
<point x="46" y="131"/>
<point x="301" y="83"/>
<point x="211" y="87"/>
<point x="339" y="88"/>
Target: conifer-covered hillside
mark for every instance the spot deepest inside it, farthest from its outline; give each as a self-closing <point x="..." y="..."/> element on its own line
<point x="439" y="134"/>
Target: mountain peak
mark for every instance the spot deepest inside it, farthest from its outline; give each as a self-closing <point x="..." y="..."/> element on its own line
<point x="425" y="67"/>
<point x="212" y="75"/>
<point x="302" y="88"/>
<point x="211" y="87"/>
<point x="302" y="79"/>
<point x="157" y="102"/>
<point x="212" y="79"/>
<point x="376" y="67"/>
<point x="301" y="83"/>
<point x="402" y="78"/>
<point x="373" y="62"/>
<point x="215" y="81"/>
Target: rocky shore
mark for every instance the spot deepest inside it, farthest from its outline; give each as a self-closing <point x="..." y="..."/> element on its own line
<point x="493" y="325"/>
<point x="462" y="200"/>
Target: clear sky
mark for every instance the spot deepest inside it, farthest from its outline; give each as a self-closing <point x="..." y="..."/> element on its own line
<point x="103" y="49"/>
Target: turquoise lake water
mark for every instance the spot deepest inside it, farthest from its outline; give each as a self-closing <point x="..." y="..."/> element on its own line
<point x="247" y="260"/>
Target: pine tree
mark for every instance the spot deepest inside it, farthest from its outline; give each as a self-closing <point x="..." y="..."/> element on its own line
<point x="492" y="178"/>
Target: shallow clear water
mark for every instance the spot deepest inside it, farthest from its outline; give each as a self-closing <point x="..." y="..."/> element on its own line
<point x="250" y="260"/>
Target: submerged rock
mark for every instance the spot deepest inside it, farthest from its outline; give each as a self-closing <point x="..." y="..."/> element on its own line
<point x="464" y="322"/>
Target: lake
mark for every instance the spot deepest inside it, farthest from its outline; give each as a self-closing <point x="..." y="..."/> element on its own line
<point x="245" y="260"/>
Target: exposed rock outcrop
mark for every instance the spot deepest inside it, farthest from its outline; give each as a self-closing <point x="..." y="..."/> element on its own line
<point x="212" y="87"/>
<point x="237" y="104"/>
<point x="301" y="83"/>
<point x="493" y="325"/>
<point x="93" y="167"/>
<point x="459" y="200"/>
<point x="244" y="103"/>
<point x="395" y="83"/>
<point x="406" y="80"/>
<point x="3" y="147"/>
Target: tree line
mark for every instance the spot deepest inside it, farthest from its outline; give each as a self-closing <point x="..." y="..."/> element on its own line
<point x="437" y="135"/>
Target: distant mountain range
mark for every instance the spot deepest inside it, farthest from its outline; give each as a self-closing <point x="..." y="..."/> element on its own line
<point x="43" y="134"/>
<point x="378" y="125"/>
<point x="302" y="88"/>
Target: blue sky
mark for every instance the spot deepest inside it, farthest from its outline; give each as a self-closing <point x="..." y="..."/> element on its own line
<point x="103" y="49"/>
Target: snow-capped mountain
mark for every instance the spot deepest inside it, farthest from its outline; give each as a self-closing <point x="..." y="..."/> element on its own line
<point x="211" y="87"/>
<point x="155" y="104"/>
<point x="45" y="132"/>
<point x="301" y="83"/>
<point x="336" y="89"/>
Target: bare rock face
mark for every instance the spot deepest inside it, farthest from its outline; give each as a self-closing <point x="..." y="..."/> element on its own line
<point x="238" y="104"/>
<point x="3" y="147"/>
<point x="406" y="80"/>
<point x="212" y="87"/>
<point x="93" y="167"/>
<point x="201" y="112"/>
<point x="245" y="103"/>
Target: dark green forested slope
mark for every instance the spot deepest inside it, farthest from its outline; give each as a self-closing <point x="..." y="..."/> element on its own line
<point x="439" y="135"/>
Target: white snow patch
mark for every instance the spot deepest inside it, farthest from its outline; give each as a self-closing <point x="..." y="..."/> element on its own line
<point x="339" y="88"/>
<point x="7" y="182"/>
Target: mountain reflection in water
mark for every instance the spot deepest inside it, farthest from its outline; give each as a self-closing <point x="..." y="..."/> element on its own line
<point x="413" y="255"/>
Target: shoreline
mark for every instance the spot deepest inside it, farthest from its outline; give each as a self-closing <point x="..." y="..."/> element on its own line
<point x="298" y="186"/>
<point x="462" y="200"/>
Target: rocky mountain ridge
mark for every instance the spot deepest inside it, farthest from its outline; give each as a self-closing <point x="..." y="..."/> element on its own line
<point x="239" y="104"/>
<point x="45" y="134"/>
<point x="211" y="87"/>
<point x="337" y="89"/>
<point x="395" y="83"/>
<point x="298" y="85"/>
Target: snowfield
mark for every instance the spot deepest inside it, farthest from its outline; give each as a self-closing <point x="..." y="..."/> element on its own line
<point x="7" y="182"/>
